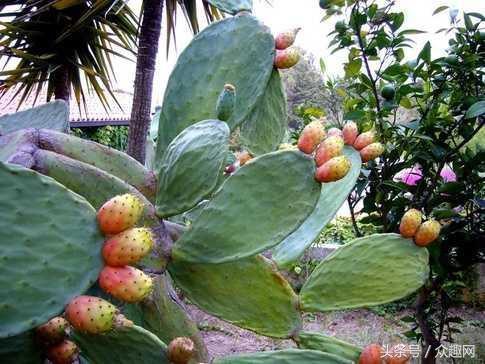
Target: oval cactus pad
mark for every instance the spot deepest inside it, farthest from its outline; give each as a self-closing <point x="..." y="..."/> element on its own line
<point x="368" y="271"/>
<point x="237" y="50"/>
<point x="254" y="210"/>
<point x="289" y="356"/>
<point x="49" y="248"/>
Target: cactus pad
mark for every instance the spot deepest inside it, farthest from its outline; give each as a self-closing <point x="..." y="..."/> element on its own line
<point x="49" y="248"/>
<point x="53" y="115"/>
<point x="232" y="6"/>
<point x="237" y="50"/>
<point x="123" y="345"/>
<point x="328" y="344"/>
<point x="289" y="356"/>
<point x="20" y="349"/>
<point x="368" y="271"/>
<point x="17" y="147"/>
<point x="190" y="168"/>
<point x="249" y="293"/>
<point x="253" y="210"/>
<point x="265" y="127"/>
<point x="332" y="197"/>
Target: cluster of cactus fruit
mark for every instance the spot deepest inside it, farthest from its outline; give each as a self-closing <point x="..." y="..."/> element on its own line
<point x="99" y="239"/>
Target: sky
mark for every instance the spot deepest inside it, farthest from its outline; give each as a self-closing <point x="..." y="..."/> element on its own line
<point x="287" y="14"/>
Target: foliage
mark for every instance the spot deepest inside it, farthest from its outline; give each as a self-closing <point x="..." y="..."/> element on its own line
<point x="112" y="136"/>
<point x="446" y="93"/>
<point x="341" y="231"/>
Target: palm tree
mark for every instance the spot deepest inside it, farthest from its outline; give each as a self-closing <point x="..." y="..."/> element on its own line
<point x="145" y="65"/>
<point x="63" y="45"/>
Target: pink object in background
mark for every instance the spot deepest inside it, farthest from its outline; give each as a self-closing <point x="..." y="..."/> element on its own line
<point x="447" y="174"/>
<point x="409" y="176"/>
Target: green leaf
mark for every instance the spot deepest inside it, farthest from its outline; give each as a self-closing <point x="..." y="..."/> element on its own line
<point x="406" y="102"/>
<point x="475" y="110"/>
<point x="355" y="115"/>
<point x="397" y="21"/>
<point x="353" y="67"/>
<point x="232" y="6"/>
<point x="468" y="23"/>
<point x="425" y="53"/>
<point x="412" y="31"/>
<point x="322" y="66"/>
<point x="440" y="9"/>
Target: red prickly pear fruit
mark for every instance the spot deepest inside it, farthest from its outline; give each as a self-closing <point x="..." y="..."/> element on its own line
<point x="126" y="283"/>
<point x="53" y="331"/>
<point x="244" y="157"/>
<point x="350" y="132"/>
<point x="333" y="170"/>
<point x="286" y="39"/>
<point x="372" y="354"/>
<point x="427" y="233"/>
<point x="410" y="223"/>
<point x="364" y="139"/>
<point x="329" y="148"/>
<point x="89" y="314"/>
<point x="65" y="352"/>
<point x="127" y="247"/>
<point x="181" y="350"/>
<point x="286" y="58"/>
<point x="372" y="151"/>
<point x="335" y="132"/>
<point x="311" y="136"/>
<point x="119" y="213"/>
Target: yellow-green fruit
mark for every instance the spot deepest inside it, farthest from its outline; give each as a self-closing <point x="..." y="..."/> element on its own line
<point x="410" y="223"/>
<point x="372" y="151"/>
<point x="388" y="92"/>
<point x="329" y="148"/>
<point x="364" y="139"/>
<point x="311" y="136"/>
<point x="333" y="170"/>
<point x="427" y="233"/>
<point x="286" y="58"/>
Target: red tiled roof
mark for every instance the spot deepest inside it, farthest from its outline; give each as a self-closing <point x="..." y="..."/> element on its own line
<point x="94" y="115"/>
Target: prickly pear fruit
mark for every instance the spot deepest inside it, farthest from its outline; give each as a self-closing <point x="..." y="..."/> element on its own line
<point x="119" y="213"/>
<point x="126" y="283"/>
<point x="372" y="151"/>
<point x="230" y="169"/>
<point x="243" y="157"/>
<point x="364" y="139"/>
<point x="181" y="350"/>
<point x="90" y="314"/>
<point x="311" y="136"/>
<point x="286" y="58"/>
<point x="350" y="132"/>
<point x="226" y="102"/>
<point x="371" y="354"/>
<point x="53" y="331"/>
<point x="329" y="148"/>
<point x="128" y="247"/>
<point x="410" y="223"/>
<point x="427" y="232"/>
<point x="335" y="132"/>
<point x="65" y="352"/>
<point x="333" y="170"/>
<point x="286" y="39"/>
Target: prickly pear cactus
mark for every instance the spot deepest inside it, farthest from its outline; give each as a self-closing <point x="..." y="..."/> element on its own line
<point x="232" y="6"/>
<point x="328" y="344"/>
<point x="48" y="232"/>
<point x="289" y="356"/>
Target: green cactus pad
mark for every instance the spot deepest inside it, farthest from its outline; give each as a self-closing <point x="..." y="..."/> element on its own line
<point x="254" y="210"/>
<point x="49" y="248"/>
<point x="289" y="356"/>
<point x="237" y="50"/>
<point x="328" y="344"/>
<point x="20" y="349"/>
<point x="332" y="197"/>
<point x="249" y="293"/>
<point x="123" y="345"/>
<point x="53" y="115"/>
<point x="17" y="147"/>
<point x="232" y="6"/>
<point x="266" y="126"/>
<point x="368" y="271"/>
<point x="94" y="184"/>
<point x="226" y="103"/>
<point x="190" y="168"/>
<point x="108" y="159"/>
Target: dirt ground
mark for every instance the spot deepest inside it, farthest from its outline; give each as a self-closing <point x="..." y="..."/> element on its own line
<point x="359" y="327"/>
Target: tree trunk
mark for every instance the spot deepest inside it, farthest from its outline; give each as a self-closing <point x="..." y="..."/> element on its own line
<point x="145" y="70"/>
<point x="430" y="343"/>
<point x="62" y="86"/>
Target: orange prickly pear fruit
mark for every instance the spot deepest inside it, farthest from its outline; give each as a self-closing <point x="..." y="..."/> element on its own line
<point x="65" y="352"/>
<point x="119" y="213"/>
<point x="333" y="170"/>
<point x="334" y="132"/>
<point x="244" y="157"/>
<point x="286" y="58"/>
<point x="311" y="136"/>
<point x="89" y="314"/>
<point x="350" y="132"/>
<point x="372" y="354"/>
<point x="128" y="284"/>
<point x="372" y="151"/>
<point x="329" y="148"/>
<point x="364" y="139"/>
<point x="286" y="39"/>
<point x="410" y="223"/>
<point x="127" y="247"/>
<point x="427" y="232"/>
<point x="181" y="350"/>
<point x="53" y="331"/>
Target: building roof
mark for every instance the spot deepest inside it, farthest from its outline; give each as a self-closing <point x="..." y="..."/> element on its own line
<point x="94" y="115"/>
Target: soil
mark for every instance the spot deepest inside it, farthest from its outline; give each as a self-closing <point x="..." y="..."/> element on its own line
<point x="359" y="327"/>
